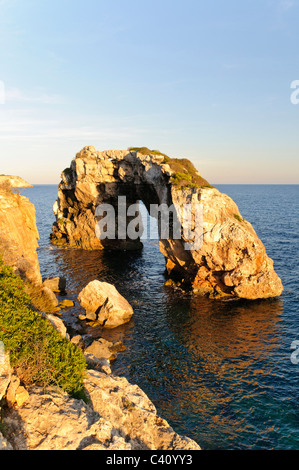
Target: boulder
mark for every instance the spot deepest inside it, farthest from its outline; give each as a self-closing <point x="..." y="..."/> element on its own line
<point x="96" y="363"/>
<point x="49" y="298"/>
<point x="102" y="349"/>
<point x="105" y="303"/>
<point x="56" y="284"/>
<point x="58" y="324"/>
<point x="78" y="341"/>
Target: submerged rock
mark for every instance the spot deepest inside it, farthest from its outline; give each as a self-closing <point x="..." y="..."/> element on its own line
<point x="228" y="258"/>
<point x="104" y="304"/>
<point x="66" y="303"/>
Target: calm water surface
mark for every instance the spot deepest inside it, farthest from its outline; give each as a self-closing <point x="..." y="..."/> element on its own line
<point x="218" y="372"/>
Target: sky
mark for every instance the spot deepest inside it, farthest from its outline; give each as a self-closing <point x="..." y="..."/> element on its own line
<point x="205" y="80"/>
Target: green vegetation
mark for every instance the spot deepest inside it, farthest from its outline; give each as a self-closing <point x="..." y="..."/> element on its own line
<point x="147" y="151"/>
<point x="185" y="174"/>
<point x="237" y="217"/>
<point x="37" y="351"/>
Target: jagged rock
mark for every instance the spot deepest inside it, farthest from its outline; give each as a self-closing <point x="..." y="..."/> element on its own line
<point x="130" y="411"/>
<point x="119" y="417"/>
<point x="51" y="420"/>
<point x="5" y="374"/>
<point x="104" y="304"/>
<point x="230" y="261"/>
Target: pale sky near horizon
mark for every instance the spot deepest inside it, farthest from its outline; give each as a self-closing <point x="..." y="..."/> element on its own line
<point x="208" y="81"/>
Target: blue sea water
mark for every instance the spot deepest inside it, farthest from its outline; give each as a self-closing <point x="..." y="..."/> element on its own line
<point x="218" y="372"/>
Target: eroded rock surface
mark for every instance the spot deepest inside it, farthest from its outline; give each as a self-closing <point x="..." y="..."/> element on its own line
<point x="230" y="261"/>
<point x="18" y="245"/>
<point x="104" y="304"/>
<point x="19" y="235"/>
<point x="14" y="181"/>
<point x="119" y="417"/>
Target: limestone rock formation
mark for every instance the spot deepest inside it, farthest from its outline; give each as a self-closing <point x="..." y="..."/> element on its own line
<point x="19" y="235"/>
<point x="230" y="259"/>
<point x="104" y="304"/>
<point x="18" y="243"/>
<point x="14" y="182"/>
<point x="119" y="417"/>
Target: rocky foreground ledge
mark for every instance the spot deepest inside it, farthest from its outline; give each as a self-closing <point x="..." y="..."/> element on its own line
<point x="118" y="416"/>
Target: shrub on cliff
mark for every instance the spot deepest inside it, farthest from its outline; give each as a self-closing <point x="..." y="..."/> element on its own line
<point x="37" y="351"/>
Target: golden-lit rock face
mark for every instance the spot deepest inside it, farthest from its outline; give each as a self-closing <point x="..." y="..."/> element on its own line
<point x="19" y="235"/>
<point x="18" y="243"/>
<point x="230" y="260"/>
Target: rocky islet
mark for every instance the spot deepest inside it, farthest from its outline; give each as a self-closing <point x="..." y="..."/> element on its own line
<point x="231" y="260"/>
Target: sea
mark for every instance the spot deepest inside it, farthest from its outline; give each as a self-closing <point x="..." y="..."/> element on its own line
<point x="224" y="373"/>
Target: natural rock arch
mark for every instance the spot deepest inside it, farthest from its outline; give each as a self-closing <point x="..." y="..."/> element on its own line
<point x="231" y="261"/>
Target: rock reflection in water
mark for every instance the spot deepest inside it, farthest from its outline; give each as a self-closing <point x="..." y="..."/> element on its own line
<point x="224" y="350"/>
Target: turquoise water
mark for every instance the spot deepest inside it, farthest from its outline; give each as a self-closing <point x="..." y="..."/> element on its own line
<point x="219" y="372"/>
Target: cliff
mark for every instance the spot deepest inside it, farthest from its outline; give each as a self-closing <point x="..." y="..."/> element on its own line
<point x="19" y="235"/>
<point x="18" y="244"/>
<point x="228" y="259"/>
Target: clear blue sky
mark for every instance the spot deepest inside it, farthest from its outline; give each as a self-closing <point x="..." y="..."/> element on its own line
<point x="205" y="80"/>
